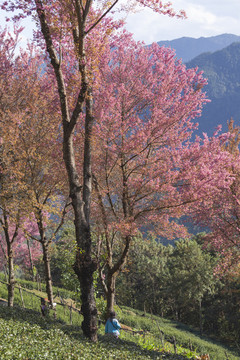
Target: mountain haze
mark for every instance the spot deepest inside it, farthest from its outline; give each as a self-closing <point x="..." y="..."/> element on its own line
<point x="188" y="48"/>
<point x="222" y="69"/>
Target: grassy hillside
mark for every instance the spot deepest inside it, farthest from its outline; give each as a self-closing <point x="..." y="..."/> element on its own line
<point x="25" y="334"/>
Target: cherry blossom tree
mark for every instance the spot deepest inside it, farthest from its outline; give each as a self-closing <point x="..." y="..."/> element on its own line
<point x="40" y="145"/>
<point x="75" y="34"/>
<point x="25" y="253"/>
<point x="32" y="186"/>
<point x="146" y="161"/>
<point x="221" y="213"/>
<point x="11" y="171"/>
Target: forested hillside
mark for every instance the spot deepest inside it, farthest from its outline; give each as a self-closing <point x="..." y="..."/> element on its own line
<point x="221" y="68"/>
<point x="218" y="57"/>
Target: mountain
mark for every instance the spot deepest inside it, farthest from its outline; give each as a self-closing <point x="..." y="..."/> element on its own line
<point x="222" y="69"/>
<point x="188" y="48"/>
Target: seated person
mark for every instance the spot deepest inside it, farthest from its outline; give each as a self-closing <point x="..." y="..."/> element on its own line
<point x="112" y="325"/>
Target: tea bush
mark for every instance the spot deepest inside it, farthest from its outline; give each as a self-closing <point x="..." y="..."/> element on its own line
<point x="25" y="334"/>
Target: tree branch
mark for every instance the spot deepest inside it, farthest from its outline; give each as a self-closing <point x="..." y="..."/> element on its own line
<point x="101" y="17"/>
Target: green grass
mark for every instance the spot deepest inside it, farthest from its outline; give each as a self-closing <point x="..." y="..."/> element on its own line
<point x="31" y="301"/>
<point x="183" y="334"/>
<point x="25" y="334"/>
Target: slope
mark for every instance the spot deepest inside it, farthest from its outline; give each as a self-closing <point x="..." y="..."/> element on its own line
<point x="188" y="48"/>
<point x="25" y="334"/>
<point x="222" y="70"/>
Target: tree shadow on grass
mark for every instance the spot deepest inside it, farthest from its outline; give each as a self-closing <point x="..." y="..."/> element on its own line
<point x="27" y="315"/>
<point x="34" y="317"/>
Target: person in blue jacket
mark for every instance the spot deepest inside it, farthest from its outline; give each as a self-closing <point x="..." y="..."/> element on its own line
<point x="112" y="325"/>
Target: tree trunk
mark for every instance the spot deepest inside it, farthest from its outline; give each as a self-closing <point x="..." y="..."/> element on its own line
<point x="80" y="193"/>
<point x="111" y="281"/>
<point x="200" y="317"/>
<point x="47" y="268"/>
<point x="30" y="258"/>
<point x="113" y="271"/>
<point x="4" y="266"/>
<point x="11" y="277"/>
<point x="84" y="266"/>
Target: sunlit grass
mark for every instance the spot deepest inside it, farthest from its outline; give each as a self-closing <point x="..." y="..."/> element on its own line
<point x="25" y="334"/>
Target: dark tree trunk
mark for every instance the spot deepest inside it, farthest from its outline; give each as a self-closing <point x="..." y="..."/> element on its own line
<point x="111" y="292"/>
<point x="4" y="265"/>
<point x="11" y="277"/>
<point x="79" y="193"/>
<point x="84" y="265"/>
<point x="10" y="260"/>
<point x="30" y="258"/>
<point x="200" y="317"/>
<point x="112" y="273"/>
<point x="47" y="269"/>
<point x="46" y="259"/>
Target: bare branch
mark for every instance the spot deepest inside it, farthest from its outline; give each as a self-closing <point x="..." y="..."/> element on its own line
<point x="101" y="17"/>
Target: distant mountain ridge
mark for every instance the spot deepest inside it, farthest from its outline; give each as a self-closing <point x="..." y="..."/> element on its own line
<point x="188" y="48"/>
<point x="219" y="58"/>
<point x="222" y="69"/>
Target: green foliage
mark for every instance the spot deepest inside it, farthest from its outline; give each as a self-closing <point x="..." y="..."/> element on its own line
<point x="166" y="330"/>
<point x="63" y="258"/>
<point x="190" y="277"/>
<point x="25" y="334"/>
<point x="166" y="280"/>
<point x="140" y="285"/>
<point x="31" y="285"/>
<point x="159" y="279"/>
<point x="62" y="254"/>
<point x="222" y="312"/>
<point x="102" y="309"/>
<point x="178" y="283"/>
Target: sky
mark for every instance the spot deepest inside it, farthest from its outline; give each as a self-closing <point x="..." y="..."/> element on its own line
<point x="205" y="18"/>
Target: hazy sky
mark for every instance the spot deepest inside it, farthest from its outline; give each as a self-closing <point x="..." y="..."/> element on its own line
<point x="205" y="18"/>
